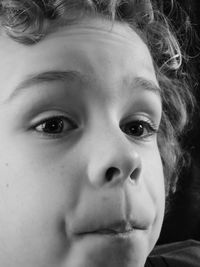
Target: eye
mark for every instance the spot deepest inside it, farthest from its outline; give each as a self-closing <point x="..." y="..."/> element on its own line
<point x="139" y="128"/>
<point x="55" y="126"/>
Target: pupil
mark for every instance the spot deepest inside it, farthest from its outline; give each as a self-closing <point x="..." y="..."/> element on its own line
<point x="53" y="126"/>
<point x="136" y="129"/>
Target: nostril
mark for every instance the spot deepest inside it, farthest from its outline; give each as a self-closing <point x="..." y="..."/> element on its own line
<point x="111" y="173"/>
<point x="135" y="174"/>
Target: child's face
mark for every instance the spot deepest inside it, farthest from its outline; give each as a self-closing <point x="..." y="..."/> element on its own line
<point x="81" y="175"/>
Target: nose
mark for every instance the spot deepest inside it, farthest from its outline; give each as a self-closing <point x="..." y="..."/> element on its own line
<point x="113" y="161"/>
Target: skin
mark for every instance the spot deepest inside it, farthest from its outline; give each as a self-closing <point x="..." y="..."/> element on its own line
<point x="66" y="181"/>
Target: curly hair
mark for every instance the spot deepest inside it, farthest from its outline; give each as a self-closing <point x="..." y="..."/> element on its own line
<point x="28" y="21"/>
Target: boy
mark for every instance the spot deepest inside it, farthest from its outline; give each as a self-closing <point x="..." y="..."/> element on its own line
<point x="88" y="121"/>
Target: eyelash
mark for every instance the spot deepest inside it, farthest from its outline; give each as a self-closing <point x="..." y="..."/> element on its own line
<point x="60" y="121"/>
<point x="149" y="126"/>
<point x="146" y="127"/>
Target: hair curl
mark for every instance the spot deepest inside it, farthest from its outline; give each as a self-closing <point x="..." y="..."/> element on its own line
<point x="28" y="21"/>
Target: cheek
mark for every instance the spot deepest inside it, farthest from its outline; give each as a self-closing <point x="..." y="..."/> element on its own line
<point x="36" y="186"/>
<point x="154" y="178"/>
<point x="154" y="184"/>
<point x="154" y="175"/>
<point x="35" y="180"/>
<point x="34" y="200"/>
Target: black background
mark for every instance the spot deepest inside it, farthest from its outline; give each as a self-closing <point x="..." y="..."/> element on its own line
<point x="183" y="219"/>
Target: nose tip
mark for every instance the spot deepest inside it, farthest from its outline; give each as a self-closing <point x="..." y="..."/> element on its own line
<point x="114" y="174"/>
<point x="115" y="169"/>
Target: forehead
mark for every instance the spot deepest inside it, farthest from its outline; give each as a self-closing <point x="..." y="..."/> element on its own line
<point x="85" y="46"/>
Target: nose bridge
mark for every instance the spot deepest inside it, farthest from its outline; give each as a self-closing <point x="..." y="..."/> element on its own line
<point x="113" y="158"/>
<point x="113" y="146"/>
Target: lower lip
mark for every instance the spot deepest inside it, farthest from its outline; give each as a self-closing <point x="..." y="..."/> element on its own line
<point x="121" y="242"/>
<point x="111" y="235"/>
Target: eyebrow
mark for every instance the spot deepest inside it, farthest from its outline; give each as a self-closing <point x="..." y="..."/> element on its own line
<point x="46" y="77"/>
<point x="148" y="85"/>
<point x="71" y="75"/>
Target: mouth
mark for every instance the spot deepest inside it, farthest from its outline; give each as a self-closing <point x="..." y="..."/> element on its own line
<point x="118" y="229"/>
